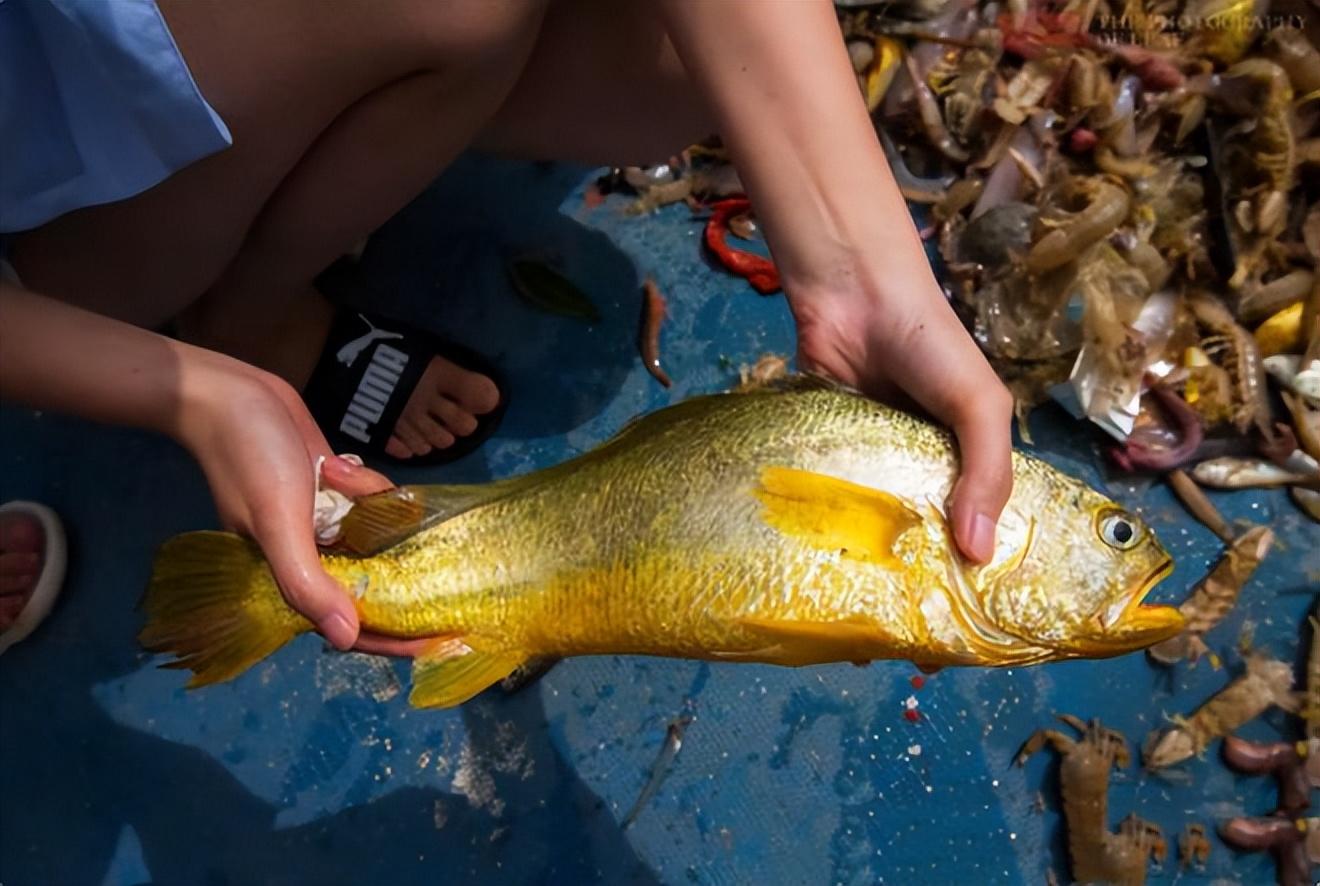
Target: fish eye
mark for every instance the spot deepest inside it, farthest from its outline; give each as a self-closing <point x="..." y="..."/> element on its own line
<point x="1119" y="531"/>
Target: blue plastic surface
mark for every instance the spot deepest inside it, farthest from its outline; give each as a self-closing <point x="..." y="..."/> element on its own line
<point x="312" y="768"/>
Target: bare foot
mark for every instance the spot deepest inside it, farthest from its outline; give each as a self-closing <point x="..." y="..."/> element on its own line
<point x="21" y="547"/>
<point x="444" y="405"/>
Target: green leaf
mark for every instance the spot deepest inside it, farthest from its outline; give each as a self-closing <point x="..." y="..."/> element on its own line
<point x="545" y="289"/>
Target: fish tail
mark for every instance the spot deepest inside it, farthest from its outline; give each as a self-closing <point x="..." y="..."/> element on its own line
<point x="213" y="604"/>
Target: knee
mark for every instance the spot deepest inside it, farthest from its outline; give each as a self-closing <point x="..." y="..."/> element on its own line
<point x="485" y="36"/>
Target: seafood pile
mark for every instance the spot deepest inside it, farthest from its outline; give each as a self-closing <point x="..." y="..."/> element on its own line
<point x="1126" y="201"/>
<point x="1291" y="832"/>
<point x="1125" y="207"/>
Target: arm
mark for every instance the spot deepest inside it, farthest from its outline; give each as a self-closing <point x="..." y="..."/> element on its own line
<point x="248" y="429"/>
<point x="867" y="305"/>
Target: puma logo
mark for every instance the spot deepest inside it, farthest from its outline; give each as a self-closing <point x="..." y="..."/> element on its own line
<point x="374" y="390"/>
<point x="349" y="353"/>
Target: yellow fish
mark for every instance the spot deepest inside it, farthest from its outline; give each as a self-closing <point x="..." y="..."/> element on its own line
<point x="794" y="524"/>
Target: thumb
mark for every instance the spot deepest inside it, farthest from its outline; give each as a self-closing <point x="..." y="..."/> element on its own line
<point x="352" y="479"/>
<point x="985" y="477"/>
<point x="306" y="586"/>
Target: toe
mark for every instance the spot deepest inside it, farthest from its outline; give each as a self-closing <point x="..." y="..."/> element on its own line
<point x="473" y="392"/>
<point x="479" y="395"/>
<point x="17" y="583"/>
<point x="454" y="417"/>
<point x="396" y="448"/>
<point x="10" y="607"/>
<point x="19" y="563"/>
<point x="411" y="437"/>
<point x="433" y="432"/>
<point x="19" y="532"/>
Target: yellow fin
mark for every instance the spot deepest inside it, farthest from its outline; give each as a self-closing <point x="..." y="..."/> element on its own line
<point x="859" y="522"/>
<point x="380" y="521"/>
<point x="214" y="605"/>
<point x="450" y="672"/>
<point x="817" y="642"/>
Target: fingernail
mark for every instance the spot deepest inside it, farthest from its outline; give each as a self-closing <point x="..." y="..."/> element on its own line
<point x="338" y="631"/>
<point x="982" y="541"/>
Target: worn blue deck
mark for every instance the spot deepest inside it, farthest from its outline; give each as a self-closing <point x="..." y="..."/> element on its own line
<point x="312" y="768"/>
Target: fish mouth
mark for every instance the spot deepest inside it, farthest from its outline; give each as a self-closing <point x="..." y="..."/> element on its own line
<point x="1131" y="623"/>
<point x="1135" y="602"/>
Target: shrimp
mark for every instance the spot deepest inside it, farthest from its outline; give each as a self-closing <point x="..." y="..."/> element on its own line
<point x="1106" y="206"/>
<point x="1193" y="846"/>
<point x="1094" y="852"/>
<point x="1291" y="49"/>
<point x="961" y="194"/>
<point x="931" y="118"/>
<point x="1245" y="367"/>
<point x="1215" y="597"/>
<point x="1266" y="683"/>
<point x="1259" y="89"/>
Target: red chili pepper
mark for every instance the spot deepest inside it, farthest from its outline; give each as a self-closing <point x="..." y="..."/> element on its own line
<point x="758" y="271"/>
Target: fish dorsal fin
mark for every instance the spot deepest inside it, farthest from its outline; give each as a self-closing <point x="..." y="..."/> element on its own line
<point x="797" y="382"/>
<point x="380" y="521"/>
<point x="449" y="672"/>
<point x="858" y="522"/>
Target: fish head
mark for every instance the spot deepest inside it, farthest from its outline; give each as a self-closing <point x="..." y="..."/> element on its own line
<point x="1078" y="578"/>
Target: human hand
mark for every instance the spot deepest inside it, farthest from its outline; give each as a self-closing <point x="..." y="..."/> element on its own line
<point x="258" y="447"/>
<point x="917" y="347"/>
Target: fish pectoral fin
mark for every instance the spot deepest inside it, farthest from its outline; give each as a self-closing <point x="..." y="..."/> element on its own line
<point x="858" y="522"/>
<point x="818" y="642"/>
<point x="449" y="672"/>
<point x="380" y="521"/>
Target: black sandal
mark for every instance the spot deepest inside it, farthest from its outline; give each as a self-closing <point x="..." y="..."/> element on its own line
<point x="368" y="370"/>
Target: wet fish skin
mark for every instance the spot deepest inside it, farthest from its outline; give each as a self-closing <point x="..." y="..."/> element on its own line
<point x="794" y="524"/>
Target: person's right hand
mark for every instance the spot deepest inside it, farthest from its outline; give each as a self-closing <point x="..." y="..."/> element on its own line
<point x="258" y="447"/>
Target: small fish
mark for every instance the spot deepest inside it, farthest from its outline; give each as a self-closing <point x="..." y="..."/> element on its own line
<point x="1289" y="371"/>
<point x="1247" y="473"/>
<point x="1200" y="506"/>
<point x="796" y="523"/>
<point x="545" y="289"/>
<point x="527" y="673"/>
<point x="660" y="769"/>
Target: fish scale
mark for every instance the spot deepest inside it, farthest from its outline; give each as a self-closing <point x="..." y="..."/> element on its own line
<point x="792" y="524"/>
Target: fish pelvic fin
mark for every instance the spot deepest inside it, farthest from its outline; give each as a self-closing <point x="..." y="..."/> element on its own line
<point x="449" y="672"/>
<point x="213" y="604"/>
<point x="858" y="522"/>
<point x="796" y="643"/>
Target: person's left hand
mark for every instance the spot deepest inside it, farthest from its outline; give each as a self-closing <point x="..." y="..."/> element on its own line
<point x="919" y="348"/>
